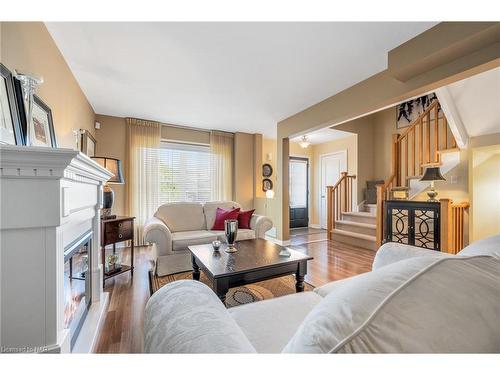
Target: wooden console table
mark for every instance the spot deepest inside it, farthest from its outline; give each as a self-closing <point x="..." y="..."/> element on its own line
<point x="113" y="231"/>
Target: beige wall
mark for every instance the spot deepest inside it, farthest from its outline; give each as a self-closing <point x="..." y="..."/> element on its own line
<point x="485" y="177"/>
<point x="28" y="47"/>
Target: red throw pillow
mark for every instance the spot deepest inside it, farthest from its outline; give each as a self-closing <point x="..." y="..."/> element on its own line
<point x="244" y="218"/>
<point x="222" y="215"/>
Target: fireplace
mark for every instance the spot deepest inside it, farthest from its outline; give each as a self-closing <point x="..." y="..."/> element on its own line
<point x="51" y="298"/>
<point x="77" y="284"/>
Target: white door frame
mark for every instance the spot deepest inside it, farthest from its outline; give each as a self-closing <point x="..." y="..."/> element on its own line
<point x="343" y="155"/>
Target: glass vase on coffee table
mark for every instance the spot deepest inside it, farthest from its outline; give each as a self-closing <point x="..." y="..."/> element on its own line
<point x="231" y="231"/>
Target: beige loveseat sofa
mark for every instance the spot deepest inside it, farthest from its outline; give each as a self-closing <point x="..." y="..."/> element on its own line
<point x="413" y="301"/>
<point x="175" y="226"/>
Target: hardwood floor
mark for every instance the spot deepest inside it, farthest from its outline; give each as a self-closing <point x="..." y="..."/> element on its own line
<point x="123" y="327"/>
<point x="302" y="235"/>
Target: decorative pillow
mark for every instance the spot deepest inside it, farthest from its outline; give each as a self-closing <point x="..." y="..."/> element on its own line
<point x="244" y="219"/>
<point x="222" y="215"/>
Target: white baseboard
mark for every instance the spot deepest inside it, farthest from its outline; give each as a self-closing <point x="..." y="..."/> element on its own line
<point x="315" y="226"/>
<point x="278" y="242"/>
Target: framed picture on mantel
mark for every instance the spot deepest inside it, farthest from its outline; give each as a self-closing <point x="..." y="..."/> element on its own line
<point x="10" y="125"/>
<point x="88" y="143"/>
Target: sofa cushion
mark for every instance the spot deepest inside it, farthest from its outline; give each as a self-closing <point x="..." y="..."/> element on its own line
<point x="421" y="305"/>
<point x="181" y="240"/>
<point x="181" y="217"/>
<point x="210" y="209"/>
<point x="221" y="215"/>
<point x="243" y="234"/>
<point x="487" y="246"/>
<point x="244" y="218"/>
<point x="258" y="321"/>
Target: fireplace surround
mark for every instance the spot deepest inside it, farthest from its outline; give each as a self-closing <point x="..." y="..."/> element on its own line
<point x="50" y="222"/>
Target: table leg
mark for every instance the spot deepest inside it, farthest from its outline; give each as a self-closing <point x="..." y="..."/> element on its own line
<point x="71" y="267"/>
<point x="196" y="269"/>
<point x="221" y="287"/>
<point x="299" y="276"/>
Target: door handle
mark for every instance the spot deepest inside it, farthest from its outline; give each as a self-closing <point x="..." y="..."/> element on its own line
<point x="322" y="196"/>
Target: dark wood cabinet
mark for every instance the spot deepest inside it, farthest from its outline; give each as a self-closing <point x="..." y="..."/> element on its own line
<point x="114" y="231"/>
<point x="413" y="223"/>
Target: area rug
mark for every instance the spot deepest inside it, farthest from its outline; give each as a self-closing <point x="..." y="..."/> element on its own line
<point x="262" y="290"/>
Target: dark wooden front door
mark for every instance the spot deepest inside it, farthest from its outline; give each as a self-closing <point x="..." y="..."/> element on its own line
<point x="299" y="192"/>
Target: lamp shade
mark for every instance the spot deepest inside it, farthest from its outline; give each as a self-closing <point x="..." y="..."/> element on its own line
<point x="432" y="174"/>
<point x="270" y="193"/>
<point x="114" y="166"/>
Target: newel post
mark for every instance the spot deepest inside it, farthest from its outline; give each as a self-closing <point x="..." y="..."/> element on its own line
<point x="395" y="158"/>
<point x="330" y="223"/>
<point x="445" y="227"/>
<point x="380" y="215"/>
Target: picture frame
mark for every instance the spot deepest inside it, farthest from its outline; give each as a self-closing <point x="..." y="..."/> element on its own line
<point x="267" y="184"/>
<point x="88" y="143"/>
<point x="43" y="124"/>
<point x="408" y="111"/>
<point x="267" y="170"/>
<point x="10" y="124"/>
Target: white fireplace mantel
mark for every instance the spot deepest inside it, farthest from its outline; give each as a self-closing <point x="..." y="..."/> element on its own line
<point x="49" y="198"/>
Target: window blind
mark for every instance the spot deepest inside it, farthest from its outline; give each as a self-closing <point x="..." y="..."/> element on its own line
<point x="184" y="173"/>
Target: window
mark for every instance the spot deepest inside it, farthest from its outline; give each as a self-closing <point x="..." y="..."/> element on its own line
<point x="184" y="173"/>
<point x="298" y="183"/>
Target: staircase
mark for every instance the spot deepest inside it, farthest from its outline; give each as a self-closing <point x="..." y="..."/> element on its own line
<point x="357" y="228"/>
<point x="426" y="142"/>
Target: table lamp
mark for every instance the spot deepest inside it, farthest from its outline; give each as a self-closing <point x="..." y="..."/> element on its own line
<point x="114" y="166"/>
<point x="432" y="174"/>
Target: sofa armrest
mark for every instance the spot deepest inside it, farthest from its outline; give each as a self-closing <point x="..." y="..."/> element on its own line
<point x="392" y="252"/>
<point x="260" y="224"/>
<point x="187" y="317"/>
<point x="156" y="231"/>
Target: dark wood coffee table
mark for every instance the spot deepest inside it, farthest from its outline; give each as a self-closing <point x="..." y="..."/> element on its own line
<point x="256" y="260"/>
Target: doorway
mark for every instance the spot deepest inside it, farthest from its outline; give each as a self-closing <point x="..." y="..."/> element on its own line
<point x="331" y="165"/>
<point x="299" y="192"/>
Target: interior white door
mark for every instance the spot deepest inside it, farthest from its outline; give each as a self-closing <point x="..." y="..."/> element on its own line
<point x="331" y="167"/>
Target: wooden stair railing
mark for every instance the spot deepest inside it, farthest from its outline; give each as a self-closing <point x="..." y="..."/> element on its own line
<point x="452" y="225"/>
<point x="338" y="200"/>
<point x="420" y="145"/>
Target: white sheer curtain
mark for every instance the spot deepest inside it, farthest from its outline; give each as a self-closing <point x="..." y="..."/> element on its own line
<point x="221" y="147"/>
<point x="142" y="171"/>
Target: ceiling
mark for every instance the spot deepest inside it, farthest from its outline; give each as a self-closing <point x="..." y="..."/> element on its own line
<point x="323" y="135"/>
<point x="226" y="76"/>
<point x="477" y="100"/>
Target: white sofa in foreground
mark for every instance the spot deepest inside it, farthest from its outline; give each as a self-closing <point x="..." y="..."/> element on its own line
<point x="175" y="226"/>
<point x="413" y="301"/>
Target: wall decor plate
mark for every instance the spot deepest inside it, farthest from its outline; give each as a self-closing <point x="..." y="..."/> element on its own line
<point x="267" y="184"/>
<point x="10" y="124"/>
<point x="267" y="170"/>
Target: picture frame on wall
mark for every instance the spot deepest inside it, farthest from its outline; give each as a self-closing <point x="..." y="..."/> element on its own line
<point x="43" y="131"/>
<point x="88" y="143"/>
<point x="410" y="110"/>
<point x="10" y="124"/>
